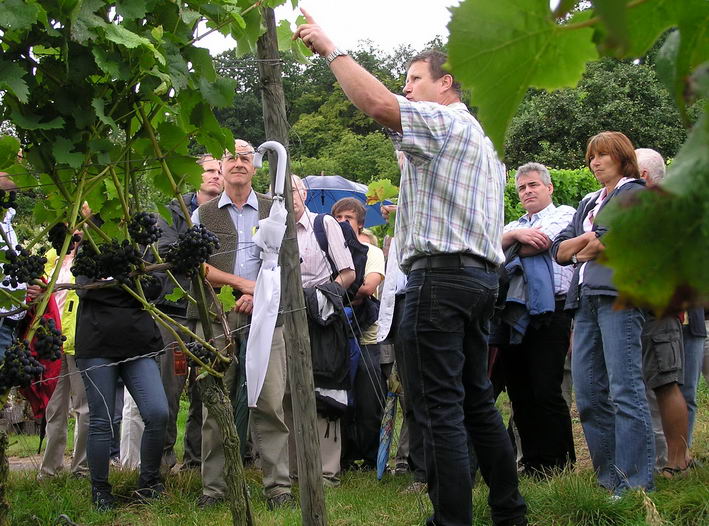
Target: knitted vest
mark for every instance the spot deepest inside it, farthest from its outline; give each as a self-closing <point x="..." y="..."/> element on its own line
<point x="218" y="221"/>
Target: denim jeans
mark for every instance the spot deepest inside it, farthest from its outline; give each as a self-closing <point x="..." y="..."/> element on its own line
<point x="693" y="358"/>
<point x="445" y="329"/>
<point x="142" y="379"/>
<point x="606" y="364"/>
<point x="7" y="333"/>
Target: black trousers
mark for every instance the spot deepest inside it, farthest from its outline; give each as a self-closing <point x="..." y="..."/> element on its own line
<point x="534" y="371"/>
<point x="361" y="423"/>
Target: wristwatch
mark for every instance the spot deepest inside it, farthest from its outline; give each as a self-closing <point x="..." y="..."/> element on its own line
<point x="337" y="52"/>
<point x="574" y="259"/>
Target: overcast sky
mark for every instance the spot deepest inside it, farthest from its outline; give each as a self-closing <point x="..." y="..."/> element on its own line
<point x="388" y="23"/>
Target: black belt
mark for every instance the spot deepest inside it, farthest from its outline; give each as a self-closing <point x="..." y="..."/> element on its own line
<point x="451" y="261"/>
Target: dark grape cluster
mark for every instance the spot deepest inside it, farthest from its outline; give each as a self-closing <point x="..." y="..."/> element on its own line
<point x="8" y="199"/>
<point x="144" y="229"/>
<point x="116" y="260"/>
<point x="201" y="352"/>
<point x="191" y="249"/>
<point x="22" y="267"/>
<point x="48" y="340"/>
<point x="57" y="235"/>
<point x="18" y="367"/>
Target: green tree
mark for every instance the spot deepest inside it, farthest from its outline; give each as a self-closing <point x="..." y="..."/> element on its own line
<point x="553" y="127"/>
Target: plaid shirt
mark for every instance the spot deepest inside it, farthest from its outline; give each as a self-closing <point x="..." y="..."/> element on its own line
<point x="551" y="220"/>
<point x="452" y="184"/>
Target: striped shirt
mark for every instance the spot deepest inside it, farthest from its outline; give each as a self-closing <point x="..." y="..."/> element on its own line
<point x="315" y="269"/>
<point x="452" y="184"/>
<point x="551" y="221"/>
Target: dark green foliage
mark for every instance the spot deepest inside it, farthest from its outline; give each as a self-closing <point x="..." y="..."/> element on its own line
<point x="570" y="186"/>
<point x="553" y="127"/>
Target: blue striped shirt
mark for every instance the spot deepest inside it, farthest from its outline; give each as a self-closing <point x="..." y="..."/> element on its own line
<point x="452" y="184"/>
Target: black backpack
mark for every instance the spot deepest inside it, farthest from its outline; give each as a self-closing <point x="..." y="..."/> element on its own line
<point x="357" y="250"/>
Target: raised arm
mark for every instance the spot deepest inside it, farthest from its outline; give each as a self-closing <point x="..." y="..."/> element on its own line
<point x="361" y="87"/>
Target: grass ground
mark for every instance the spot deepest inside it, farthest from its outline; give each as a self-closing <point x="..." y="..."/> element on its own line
<point x="570" y="499"/>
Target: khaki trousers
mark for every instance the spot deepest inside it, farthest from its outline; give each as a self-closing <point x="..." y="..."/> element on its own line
<point x="267" y="425"/>
<point x="69" y="389"/>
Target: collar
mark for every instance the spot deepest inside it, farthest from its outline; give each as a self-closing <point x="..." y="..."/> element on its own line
<point x="306" y="220"/>
<point x="225" y="200"/>
<point x="539" y="215"/>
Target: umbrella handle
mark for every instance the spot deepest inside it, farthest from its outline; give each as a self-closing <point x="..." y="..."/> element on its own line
<point x="280" y="167"/>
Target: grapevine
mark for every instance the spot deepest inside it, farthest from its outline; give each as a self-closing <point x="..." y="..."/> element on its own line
<point x="48" y="340"/>
<point x="143" y="228"/>
<point x="191" y="249"/>
<point x="115" y="260"/>
<point x="57" y="234"/>
<point x="201" y="352"/>
<point x="18" y="367"/>
<point x="23" y="267"/>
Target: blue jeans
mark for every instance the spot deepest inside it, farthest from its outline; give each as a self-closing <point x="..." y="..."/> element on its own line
<point x="142" y="379"/>
<point x="606" y="364"/>
<point x="7" y="333"/>
<point x="693" y="358"/>
<point x="444" y="331"/>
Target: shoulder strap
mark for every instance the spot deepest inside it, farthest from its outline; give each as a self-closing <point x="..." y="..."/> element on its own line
<point x="321" y="237"/>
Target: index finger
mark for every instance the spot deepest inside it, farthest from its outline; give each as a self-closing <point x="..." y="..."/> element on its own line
<point x="307" y="16"/>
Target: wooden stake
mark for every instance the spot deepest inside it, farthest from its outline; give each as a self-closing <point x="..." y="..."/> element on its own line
<point x="300" y="368"/>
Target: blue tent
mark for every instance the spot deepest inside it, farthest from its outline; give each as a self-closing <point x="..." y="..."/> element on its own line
<point x="325" y="190"/>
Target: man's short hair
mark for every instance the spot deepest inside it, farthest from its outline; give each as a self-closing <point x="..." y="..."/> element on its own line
<point x="435" y="60"/>
<point x="204" y="158"/>
<point x="353" y="204"/>
<point x="534" y="167"/>
<point x="652" y="161"/>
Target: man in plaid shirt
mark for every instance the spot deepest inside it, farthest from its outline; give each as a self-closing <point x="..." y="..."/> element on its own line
<point x="448" y="233"/>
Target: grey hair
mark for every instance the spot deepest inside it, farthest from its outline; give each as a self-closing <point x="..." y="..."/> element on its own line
<point x="652" y="161"/>
<point x="534" y="167"/>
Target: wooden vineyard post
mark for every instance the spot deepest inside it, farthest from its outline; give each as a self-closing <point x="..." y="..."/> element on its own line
<point x="300" y="370"/>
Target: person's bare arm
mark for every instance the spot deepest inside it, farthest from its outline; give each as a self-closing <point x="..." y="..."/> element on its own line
<point x="592" y="250"/>
<point x="345" y="278"/>
<point x="573" y="246"/>
<point x="217" y="278"/>
<point x="360" y="86"/>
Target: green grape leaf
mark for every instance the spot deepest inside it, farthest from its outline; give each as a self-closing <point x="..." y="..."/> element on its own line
<point x="131" y="9"/>
<point x="98" y="105"/>
<point x="84" y="20"/>
<point x="613" y="17"/>
<point x="32" y="122"/>
<point x="111" y="63"/>
<point x="218" y="93"/>
<point x="176" y="67"/>
<point x="646" y="22"/>
<point x="246" y="30"/>
<point x="173" y="138"/>
<point x="18" y="15"/>
<point x="666" y="63"/>
<point x="164" y="211"/>
<point x="189" y="16"/>
<point x="668" y="230"/>
<point x="286" y="44"/>
<point x="9" y="146"/>
<point x="63" y="150"/>
<point x="15" y="299"/>
<point x="378" y="191"/>
<point x="499" y="48"/>
<point x="124" y="37"/>
<point x="185" y="170"/>
<point x="11" y="79"/>
<point x="176" y="295"/>
<point x="226" y="298"/>
<point x="202" y="63"/>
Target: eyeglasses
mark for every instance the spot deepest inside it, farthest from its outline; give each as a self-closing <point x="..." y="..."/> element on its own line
<point x="242" y="156"/>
